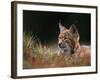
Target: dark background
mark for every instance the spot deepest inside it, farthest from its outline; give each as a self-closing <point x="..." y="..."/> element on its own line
<point x="45" y="24"/>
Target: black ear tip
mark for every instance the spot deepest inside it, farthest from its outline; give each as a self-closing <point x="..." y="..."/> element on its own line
<point x="59" y="22"/>
<point x="74" y="26"/>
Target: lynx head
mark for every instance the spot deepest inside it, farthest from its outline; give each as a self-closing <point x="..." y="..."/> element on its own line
<point x="68" y="39"/>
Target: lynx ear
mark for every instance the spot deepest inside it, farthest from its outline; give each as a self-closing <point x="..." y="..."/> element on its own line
<point x="74" y="30"/>
<point x="61" y="27"/>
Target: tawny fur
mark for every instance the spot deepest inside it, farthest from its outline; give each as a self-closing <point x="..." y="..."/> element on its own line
<point x="71" y="37"/>
<point x="84" y="52"/>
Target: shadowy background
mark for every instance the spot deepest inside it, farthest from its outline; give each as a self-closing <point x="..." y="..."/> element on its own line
<point x="44" y="24"/>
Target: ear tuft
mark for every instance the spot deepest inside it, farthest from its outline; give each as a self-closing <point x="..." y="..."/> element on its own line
<point x="61" y="27"/>
<point x="74" y="30"/>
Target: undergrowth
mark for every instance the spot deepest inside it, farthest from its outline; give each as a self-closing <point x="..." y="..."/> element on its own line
<point x="39" y="56"/>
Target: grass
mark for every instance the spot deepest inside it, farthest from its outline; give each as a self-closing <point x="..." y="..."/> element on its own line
<point x="38" y="55"/>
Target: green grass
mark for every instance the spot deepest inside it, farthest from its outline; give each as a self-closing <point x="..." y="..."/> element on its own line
<point x="39" y="56"/>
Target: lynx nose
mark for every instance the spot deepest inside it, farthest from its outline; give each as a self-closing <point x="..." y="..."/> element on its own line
<point x="61" y="45"/>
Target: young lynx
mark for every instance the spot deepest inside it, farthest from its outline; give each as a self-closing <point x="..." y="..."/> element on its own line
<point x="68" y="42"/>
<point x="68" y="39"/>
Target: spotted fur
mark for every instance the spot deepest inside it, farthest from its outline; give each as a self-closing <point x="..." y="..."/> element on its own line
<point x="68" y="39"/>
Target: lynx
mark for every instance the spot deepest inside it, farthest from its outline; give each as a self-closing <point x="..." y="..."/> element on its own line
<point x="68" y="40"/>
